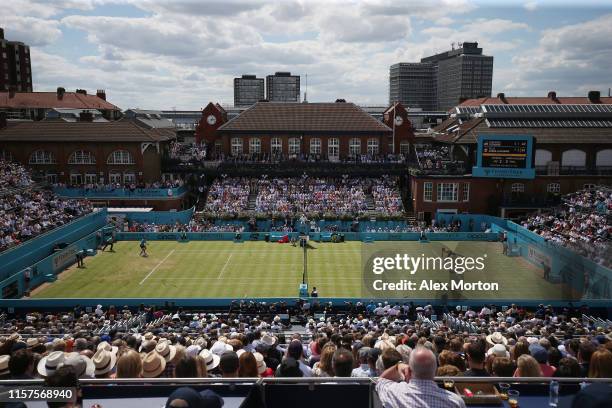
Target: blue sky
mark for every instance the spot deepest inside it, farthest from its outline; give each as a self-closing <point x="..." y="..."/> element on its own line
<point x="161" y="54"/>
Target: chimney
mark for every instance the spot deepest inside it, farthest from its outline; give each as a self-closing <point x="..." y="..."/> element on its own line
<point x="81" y="91"/>
<point x="86" y="116"/>
<point x="340" y="100"/>
<point x="502" y="97"/>
<point x="11" y="91"/>
<point x="552" y="95"/>
<point x="101" y="93"/>
<point x="2" y="120"/>
<point x="60" y="92"/>
<point x="594" y="97"/>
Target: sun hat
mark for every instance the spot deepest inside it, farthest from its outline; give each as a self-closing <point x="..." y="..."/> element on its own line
<point x="210" y="359"/>
<point x="104" y="361"/>
<point x="153" y="365"/>
<point x="498" y="350"/>
<point x="220" y="347"/>
<point x="4" y="364"/>
<point x="497" y="338"/>
<point x="166" y="350"/>
<point x="107" y="346"/>
<point x="83" y="366"/>
<point x="49" y="363"/>
<point x="261" y="364"/>
<point x="32" y="342"/>
<point x="268" y="339"/>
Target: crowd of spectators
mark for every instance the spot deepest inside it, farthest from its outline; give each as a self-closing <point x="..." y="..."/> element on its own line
<point x="29" y="213"/>
<point x="252" y="340"/>
<point x="264" y="158"/>
<point x="194" y="225"/>
<point x="187" y="152"/>
<point x="582" y="223"/>
<point x="431" y="156"/>
<point x="126" y="186"/>
<point x="13" y="175"/>
<point x="228" y="196"/>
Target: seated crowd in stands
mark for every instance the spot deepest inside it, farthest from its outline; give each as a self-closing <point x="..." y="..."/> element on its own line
<point x="251" y="340"/>
<point x="127" y="186"/>
<point x="582" y="223"/>
<point x="13" y="175"/>
<point x="228" y="196"/>
<point x="30" y="212"/>
<point x="310" y="158"/>
<point x="187" y="152"/>
<point x="194" y="225"/>
<point x="432" y="157"/>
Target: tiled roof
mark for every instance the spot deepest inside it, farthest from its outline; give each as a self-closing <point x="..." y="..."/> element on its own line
<point x="532" y="100"/>
<point x="304" y="117"/>
<point x="23" y="100"/>
<point x="61" y="131"/>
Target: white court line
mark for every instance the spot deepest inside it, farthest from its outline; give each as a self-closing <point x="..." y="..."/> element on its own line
<point x="224" y="266"/>
<point x="156" y="266"/>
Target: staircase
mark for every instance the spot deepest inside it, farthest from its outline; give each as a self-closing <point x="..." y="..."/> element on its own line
<point x="370" y="204"/>
<point x="252" y="199"/>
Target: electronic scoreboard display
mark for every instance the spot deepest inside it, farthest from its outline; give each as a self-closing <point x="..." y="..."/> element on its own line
<point x="505" y="156"/>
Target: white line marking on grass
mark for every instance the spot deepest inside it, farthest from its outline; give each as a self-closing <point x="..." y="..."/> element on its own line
<point x="156" y="266"/>
<point x="224" y="266"/>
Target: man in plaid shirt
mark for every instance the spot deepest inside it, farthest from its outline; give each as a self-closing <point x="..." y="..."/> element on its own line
<point x="413" y="385"/>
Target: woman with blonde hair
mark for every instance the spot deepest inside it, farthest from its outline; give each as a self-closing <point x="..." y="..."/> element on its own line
<point x="601" y="364"/>
<point x="129" y="365"/>
<point x="247" y="365"/>
<point x="527" y="366"/>
<point x="323" y="368"/>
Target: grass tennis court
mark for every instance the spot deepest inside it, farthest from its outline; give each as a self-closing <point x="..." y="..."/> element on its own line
<point x="223" y="269"/>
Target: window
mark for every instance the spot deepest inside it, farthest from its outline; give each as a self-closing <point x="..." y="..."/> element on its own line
<point x="354" y="147"/>
<point x="42" y="157"/>
<point x="553" y="188"/>
<point x="447" y="191"/>
<point x="542" y="157"/>
<point x="120" y="157"/>
<point x="129" y="178"/>
<point x="315" y="146"/>
<point x="276" y="145"/>
<point x="114" y="178"/>
<point x="573" y="158"/>
<point x="254" y="145"/>
<point x="236" y="146"/>
<point x="6" y="155"/>
<point x="90" y="178"/>
<point x="427" y="191"/>
<point x="589" y="186"/>
<point x="518" y="188"/>
<point x="294" y="145"/>
<point x="51" y="178"/>
<point x="333" y="147"/>
<point x="404" y="148"/>
<point x="465" y="194"/>
<point x="603" y="158"/>
<point x="82" y="157"/>
<point x="373" y="147"/>
<point x="76" y="179"/>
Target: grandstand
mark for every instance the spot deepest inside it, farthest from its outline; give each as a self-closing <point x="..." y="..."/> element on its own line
<point x="266" y="289"/>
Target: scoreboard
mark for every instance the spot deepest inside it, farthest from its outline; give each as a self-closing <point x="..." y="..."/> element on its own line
<point x="505" y="156"/>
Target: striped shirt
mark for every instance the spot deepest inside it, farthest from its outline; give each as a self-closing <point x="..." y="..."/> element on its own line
<point x="416" y="394"/>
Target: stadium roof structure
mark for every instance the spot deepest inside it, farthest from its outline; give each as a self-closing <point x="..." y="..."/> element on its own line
<point x="61" y="131"/>
<point x="551" y="99"/>
<point x="338" y="117"/>
<point x="49" y="100"/>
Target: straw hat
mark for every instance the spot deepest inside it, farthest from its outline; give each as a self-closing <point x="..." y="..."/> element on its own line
<point x="497" y="338"/>
<point x="211" y="360"/>
<point x="106" y="346"/>
<point x="268" y="339"/>
<point x="49" y="363"/>
<point x="261" y="364"/>
<point x="166" y="350"/>
<point x="153" y="365"/>
<point x="104" y="361"/>
<point x="220" y="347"/>
<point x="4" y="364"/>
<point x="83" y="365"/>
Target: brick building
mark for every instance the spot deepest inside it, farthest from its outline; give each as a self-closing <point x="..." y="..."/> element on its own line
<point x="35" y="105"/>
<point x="573" y="151"/>
<point x="87" y="152"/>
<point x="15" y="65"/>
<point x="329" y="131"/>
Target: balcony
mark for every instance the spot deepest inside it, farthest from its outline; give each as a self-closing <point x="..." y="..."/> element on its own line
<point x="120" y="193"/>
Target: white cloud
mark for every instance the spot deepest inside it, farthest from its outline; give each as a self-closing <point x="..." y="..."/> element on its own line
<point x="530" y="6"/>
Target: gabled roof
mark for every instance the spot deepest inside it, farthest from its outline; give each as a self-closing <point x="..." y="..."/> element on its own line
<point x="61" y="131"/>
<point x="48" y="100"/>
<point x="532" y="100"/>
<point x="303" y="118"/>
